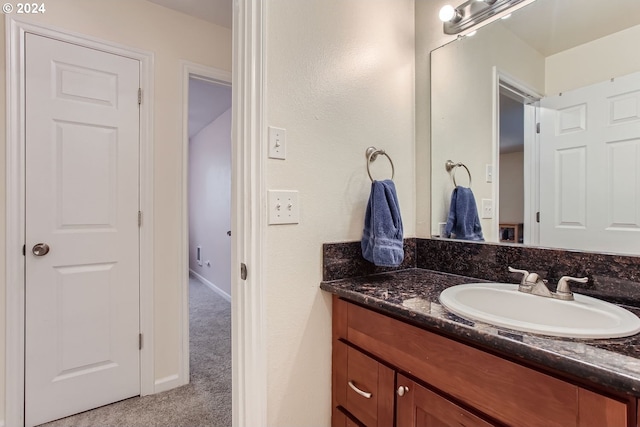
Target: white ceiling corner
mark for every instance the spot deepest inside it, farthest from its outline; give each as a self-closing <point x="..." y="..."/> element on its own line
<point x="218" y="12"/>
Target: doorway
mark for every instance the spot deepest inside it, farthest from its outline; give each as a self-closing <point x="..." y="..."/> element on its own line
<point x="209" y="184"/>
<point x="515" y="175"/>
<point x="207" y="236"/>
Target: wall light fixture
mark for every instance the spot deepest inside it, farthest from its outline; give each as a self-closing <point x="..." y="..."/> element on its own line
<point x="473" y="12"/>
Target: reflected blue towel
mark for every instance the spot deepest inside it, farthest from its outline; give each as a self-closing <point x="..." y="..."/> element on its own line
<point x="382" y="235"/>
<point x="463" y="222"/>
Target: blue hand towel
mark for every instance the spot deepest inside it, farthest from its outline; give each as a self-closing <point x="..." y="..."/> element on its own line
<point x="382" y="236"/>
<point x="463" y="222"/>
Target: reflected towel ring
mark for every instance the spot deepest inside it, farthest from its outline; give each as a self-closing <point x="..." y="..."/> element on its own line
<point x="449" y="165"/>
<point x="372" y="155"/>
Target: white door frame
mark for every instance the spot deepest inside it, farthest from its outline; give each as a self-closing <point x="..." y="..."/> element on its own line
<point x="213" y="75"/>
<point x="15" y="204"/>
<point x="248" y="215"/>
<point x="531" y="232"/>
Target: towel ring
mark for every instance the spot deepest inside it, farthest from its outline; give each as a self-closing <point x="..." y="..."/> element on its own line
<point x="372" y="155"/>
<point x="449" y="166"/>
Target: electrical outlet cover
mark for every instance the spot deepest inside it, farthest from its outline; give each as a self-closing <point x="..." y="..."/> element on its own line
<point x="487" y="208"/>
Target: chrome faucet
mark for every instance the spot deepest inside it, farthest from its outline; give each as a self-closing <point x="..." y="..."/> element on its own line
<point x="531" y="283"/>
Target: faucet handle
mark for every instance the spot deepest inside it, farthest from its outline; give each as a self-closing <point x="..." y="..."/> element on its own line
<point x="527" y="279"/>
<point x="563" y="291"/>
<point x="524" y="273"/>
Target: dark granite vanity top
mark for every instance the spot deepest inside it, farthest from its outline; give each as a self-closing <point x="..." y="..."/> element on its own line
<point x="412" y="294"/>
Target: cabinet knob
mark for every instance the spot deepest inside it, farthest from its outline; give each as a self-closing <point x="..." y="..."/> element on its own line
<point x="402" y="390"/>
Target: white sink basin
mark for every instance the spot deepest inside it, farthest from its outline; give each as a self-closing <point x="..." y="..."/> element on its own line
<point x="501" y="304"/>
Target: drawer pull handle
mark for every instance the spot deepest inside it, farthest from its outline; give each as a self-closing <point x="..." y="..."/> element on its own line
<point x="402" y="390"/>
<point x="360" y="392"/>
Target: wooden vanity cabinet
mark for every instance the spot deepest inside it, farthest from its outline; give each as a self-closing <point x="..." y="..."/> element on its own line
<point x="448" y="382"/>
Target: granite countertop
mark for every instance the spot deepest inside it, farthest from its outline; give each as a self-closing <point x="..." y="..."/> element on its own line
<point x="413" y="295"/>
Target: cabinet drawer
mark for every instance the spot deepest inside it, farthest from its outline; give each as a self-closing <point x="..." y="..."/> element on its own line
<point x="339" y="419"/>
<point x="366" y="390"/>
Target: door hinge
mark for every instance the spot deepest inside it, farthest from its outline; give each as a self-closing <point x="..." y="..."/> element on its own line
<point x="24" y="250"/>
<point x="243" y="271"/>
<point x="538" y="127"/>
<point x="139" y="341"/>
<point x="139" y="96"/>
<point x="537" y="216"/>
<point x="139" y="218"/>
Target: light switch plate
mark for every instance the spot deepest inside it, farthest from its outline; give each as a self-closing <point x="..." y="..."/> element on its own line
<point x="488" y="173"/>
<point x="284" y="207"/>
<point x="277" y="143"/>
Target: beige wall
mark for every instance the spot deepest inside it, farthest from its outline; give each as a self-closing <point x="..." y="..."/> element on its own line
<point x="172" y="37"/>
<point x="611" y="56"/>
<point x="463" y="128"/>
<point x="340" y="77"/>
<point x="512" y="187"/>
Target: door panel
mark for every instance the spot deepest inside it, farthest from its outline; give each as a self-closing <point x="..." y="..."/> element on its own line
<point x="87" y="176"/>
<point x="82" y="298"/>
<point x="590" y="167"/>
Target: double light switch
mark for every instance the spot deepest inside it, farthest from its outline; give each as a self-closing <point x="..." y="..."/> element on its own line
<point x="284" y="207"/>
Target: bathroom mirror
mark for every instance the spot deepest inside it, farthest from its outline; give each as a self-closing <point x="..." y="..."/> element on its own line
<point x="543" y="108"/>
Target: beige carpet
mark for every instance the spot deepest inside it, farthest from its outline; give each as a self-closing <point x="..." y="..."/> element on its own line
<point x="205" y="401"/>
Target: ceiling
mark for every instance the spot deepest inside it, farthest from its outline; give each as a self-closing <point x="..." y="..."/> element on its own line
<point x="219" y="12"/>
<point x="207" y="101"/>
<point x="551" y="26"/>
<point x="564" y="24"/>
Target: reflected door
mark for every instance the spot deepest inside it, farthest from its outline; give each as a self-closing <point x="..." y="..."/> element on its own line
<point x="82" y="288"/>
<point x="590" y="167"/>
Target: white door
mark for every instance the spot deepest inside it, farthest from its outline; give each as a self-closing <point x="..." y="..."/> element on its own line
<point x="590" y="167"/>
<point x="82" y="297"/>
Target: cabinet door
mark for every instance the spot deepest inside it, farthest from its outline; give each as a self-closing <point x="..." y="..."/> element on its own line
<point x="420" y="407"/>
<point x="596" y="410"/>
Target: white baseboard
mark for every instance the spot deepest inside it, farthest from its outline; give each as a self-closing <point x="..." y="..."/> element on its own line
<point x="213" y="287"/>
<point x="167" y="383"/>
